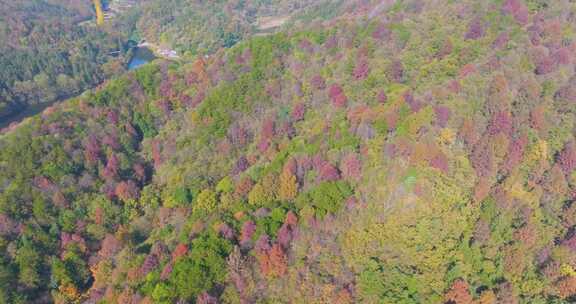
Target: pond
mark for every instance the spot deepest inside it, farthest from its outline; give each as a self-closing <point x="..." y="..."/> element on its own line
<point x="141" y="56"/>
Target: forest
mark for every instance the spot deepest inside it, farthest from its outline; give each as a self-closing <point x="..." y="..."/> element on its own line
<point x="45" y="55"/>
<point x="410" y="151"/>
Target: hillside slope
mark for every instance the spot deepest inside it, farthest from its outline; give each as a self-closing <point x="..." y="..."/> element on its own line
<point x="401" y="152"/>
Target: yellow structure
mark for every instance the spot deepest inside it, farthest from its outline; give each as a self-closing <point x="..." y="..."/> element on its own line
<point x="99" y="12"/>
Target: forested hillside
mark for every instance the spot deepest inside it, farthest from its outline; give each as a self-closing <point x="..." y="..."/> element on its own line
<point x="52" y="50"/>
<point x="373" y="152"/>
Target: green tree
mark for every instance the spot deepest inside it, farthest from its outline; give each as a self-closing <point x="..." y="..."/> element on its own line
<point x="29" y="265"/>
<point x="179" y="197"/>
<point x="225" y="185"/>
<point x="202" y="268"/>
<point x="327" y="197"/>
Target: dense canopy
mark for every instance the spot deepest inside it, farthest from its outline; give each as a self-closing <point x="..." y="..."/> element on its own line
<point x="365" y="152"/>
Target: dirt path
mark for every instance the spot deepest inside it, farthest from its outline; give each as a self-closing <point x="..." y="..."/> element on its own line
<point x="267" y="23"/>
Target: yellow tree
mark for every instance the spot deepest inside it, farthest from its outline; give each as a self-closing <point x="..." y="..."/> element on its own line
<point x="207" y="201"/>
<point x="288" y="186"/>
<point x="99" y="12"/>
<point x="257" y="195"/>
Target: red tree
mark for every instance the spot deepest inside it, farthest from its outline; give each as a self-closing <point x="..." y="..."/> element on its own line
<point x="538" y="118"/>
<point x="113" y="117"/>
<point x="516" y="152"/>
<point x="139" y="172"/>
<point x="205" y="298"/>
<point x="284" y="236"/>
<point x="562" y="56"/>
<point x="263" y="244"/>
<point x="336" y="94"/>
<point x="156" y="153"/>
<point x="180" y="251"/>
<point x="243" y="186"/>
<point x="328" y="172"/>
<point x="291" y="219"/>
<point x="475" y="29"/>
<point x="318" y="82"/>
<point x="340" y="101"/>
<point x="331" y="42"/>
<point x="150" y="263"/>
<point x="481" y="159"/>
<point x="382" y="97"/>
<point x="92" y="149"/>
<point x="567" y="157"/>
<point x="298" y="112"/>
<point x="566" y="287"/>
<point x="110" y="246"/>
<point x="459" y="293"/>
<point x="440" y="162"/>
<point x="274" y="262"/>
<point x="248" y="229"/>
<point x="381" y="32"/>
<point x="396" y="71"/>
<point x="127" y="190"/>
<point x="501" y="40"/>
<point x="501" y="123"/>
<point x="545" y="65"/>
<point x="278" y="261"/>
<point x="166" y="271"/>
<point x="112" y="166"/>
<point x="517" y="9"/>
<point x="111" y="140"/>
<point x="446" y="49"/>
<point x="268" y="128"/>
<point x="335" y="90"/>
<point x="361" y="70"/>
<point x="442" y="115"/>
<point x="351" y="167"/>
<point x="415" y="104"/>
<point x="241" y="165"/>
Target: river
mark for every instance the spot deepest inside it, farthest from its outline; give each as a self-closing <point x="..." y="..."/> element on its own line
<point x="30" y="110"/>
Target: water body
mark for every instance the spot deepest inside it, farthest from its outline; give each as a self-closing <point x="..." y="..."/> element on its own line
<point x="30" y="110"/>
<point x="141" y="56"/>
